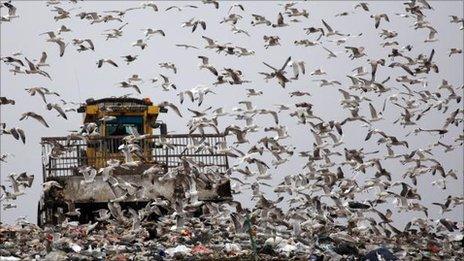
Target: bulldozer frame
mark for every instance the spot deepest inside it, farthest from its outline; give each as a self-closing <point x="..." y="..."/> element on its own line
<point x="63" y="167"/>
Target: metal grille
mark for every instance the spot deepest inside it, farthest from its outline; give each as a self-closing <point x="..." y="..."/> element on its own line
<point x="61" y="156"/>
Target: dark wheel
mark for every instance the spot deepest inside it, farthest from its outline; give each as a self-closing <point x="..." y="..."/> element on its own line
<point x="41" y="213"/>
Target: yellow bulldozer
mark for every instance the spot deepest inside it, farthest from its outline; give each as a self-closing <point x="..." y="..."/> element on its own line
<point x="107" y="123"/>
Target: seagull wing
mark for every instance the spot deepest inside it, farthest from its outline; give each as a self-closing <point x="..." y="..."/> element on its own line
<point x="286" y="63"/>
<point x="22" y="135"/>
<point x="174" y="108"/>
<point x="137" y="89"/>
<point x="270" y="66"/>
<point x="276" y="117"/>
<point x="40" y="119"/>
<point x="31" y="65"/>
<point x="372" y="110"/>
<point x="327" y="26"/>
<point x="295" y="69"/>
<point x="62" y="46"/>
<point x="165" y="79"/>
<point x="302" y="67"/>
<point x="90" y="43"/>
<point x="60" y="111"/>
<point x="43" y="58"/>
<point x="111" y="62"/>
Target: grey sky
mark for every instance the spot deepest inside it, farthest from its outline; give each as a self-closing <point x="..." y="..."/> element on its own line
<point x="76" y="77"/>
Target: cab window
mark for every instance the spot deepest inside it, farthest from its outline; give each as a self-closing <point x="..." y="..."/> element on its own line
<point x="122" y="124"/>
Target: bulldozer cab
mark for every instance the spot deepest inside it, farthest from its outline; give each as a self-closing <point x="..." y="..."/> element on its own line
<point x="117" y="118"/>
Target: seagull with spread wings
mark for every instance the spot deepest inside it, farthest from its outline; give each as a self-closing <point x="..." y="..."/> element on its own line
<point x="278" y="73"/>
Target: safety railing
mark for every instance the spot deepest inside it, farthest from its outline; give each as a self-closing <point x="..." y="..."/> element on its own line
<point x="62" y="156"/>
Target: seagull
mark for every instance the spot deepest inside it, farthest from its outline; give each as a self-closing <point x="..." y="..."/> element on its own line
<point x="205" y="64"/>
<point x="82" y="47"/>
<point x="235" y="75"/>
<point x="279" y="73"/>
<point x="237" y="30"/>
<point x="167" y="65"/>
<point x="455" y="51"/>
<point x="109" y="61"/>
<point x="306" y="42"/>
<point x="364" y="6"/>
<point x="134" y="78"/>
<point x="271" y="41"/>
<point x="273" y="113"/>
<point x="5" y="100"/>
<point x="166" y="83"/>
<point x="280" y="21"/>
<point x="297" y="67"/>
<point x="50" y="184"/>
<point x="455" y="19"/>
<point x="17" y="133"/>
<point x="194" y="23"/>
<point x="431" y="37"/>
<point x="236" y="5"/>
<point x="130" y="58"/>
<point x="35" y="116"/>
<point x="172" y="7"/>
<point x="57" y="107"/>
<point x="151" y="4"/>
<point x="239" y="134"/>
<point x="374" y="115"/>
<point x="342" y="14"/>
<point x="253" y="92"/>
<point x="72" y="210"/>
<point x="293" y="12"/>
<point x="10" y="60"/>
<point x="149" y="32"/>
<point x="64" y="29"/>
<point x="198" y="114"/>
<point x="196" y="93"/>
<point x="374" y="64"/>
<point x="318" y="72"/>
<point x="331" y="54"/>
<point x="41" y="91"/>
<point x="357" y="52"/>
<point x="170" y="105"/>
<point x="213" y="2"/>
<point x="103" y="214"/>
<point x="11" y="12"/>
<point x="330" y="31"/>
<point x="312" y="30"/>
<point x="324" y="82"/>
<point x="186" y="46"/>
<point x="42" y="61"/>
<point x="359" y="71"/>
<point x="233" y="18"/>
<point x="280" y="130"/>
<point x="211" y="43"/>
<point x="89" y="174"/>
<point x="114" y="33"/>
<point x="299" y="94"/>
<point x="33" y="69"/>
<point x="258" y="19"/>
<point x="125" y="84"/>
<point x="378" y="17"/>
<point x="140" y="43"/>
<point x="244" y="52"/>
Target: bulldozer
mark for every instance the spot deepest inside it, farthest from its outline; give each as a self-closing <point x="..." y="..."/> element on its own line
<point x="112" y="121"/>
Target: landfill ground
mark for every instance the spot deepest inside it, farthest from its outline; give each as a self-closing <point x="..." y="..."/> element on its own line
<point x="213" y="239"/>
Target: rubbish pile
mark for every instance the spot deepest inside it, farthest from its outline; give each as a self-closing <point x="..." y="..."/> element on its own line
<point x="260" y="234"/>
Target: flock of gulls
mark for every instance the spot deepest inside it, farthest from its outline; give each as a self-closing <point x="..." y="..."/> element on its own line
<point x="325" y="211"/>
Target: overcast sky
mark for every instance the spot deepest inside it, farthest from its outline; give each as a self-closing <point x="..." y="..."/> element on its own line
<point x="76" y="77"/>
